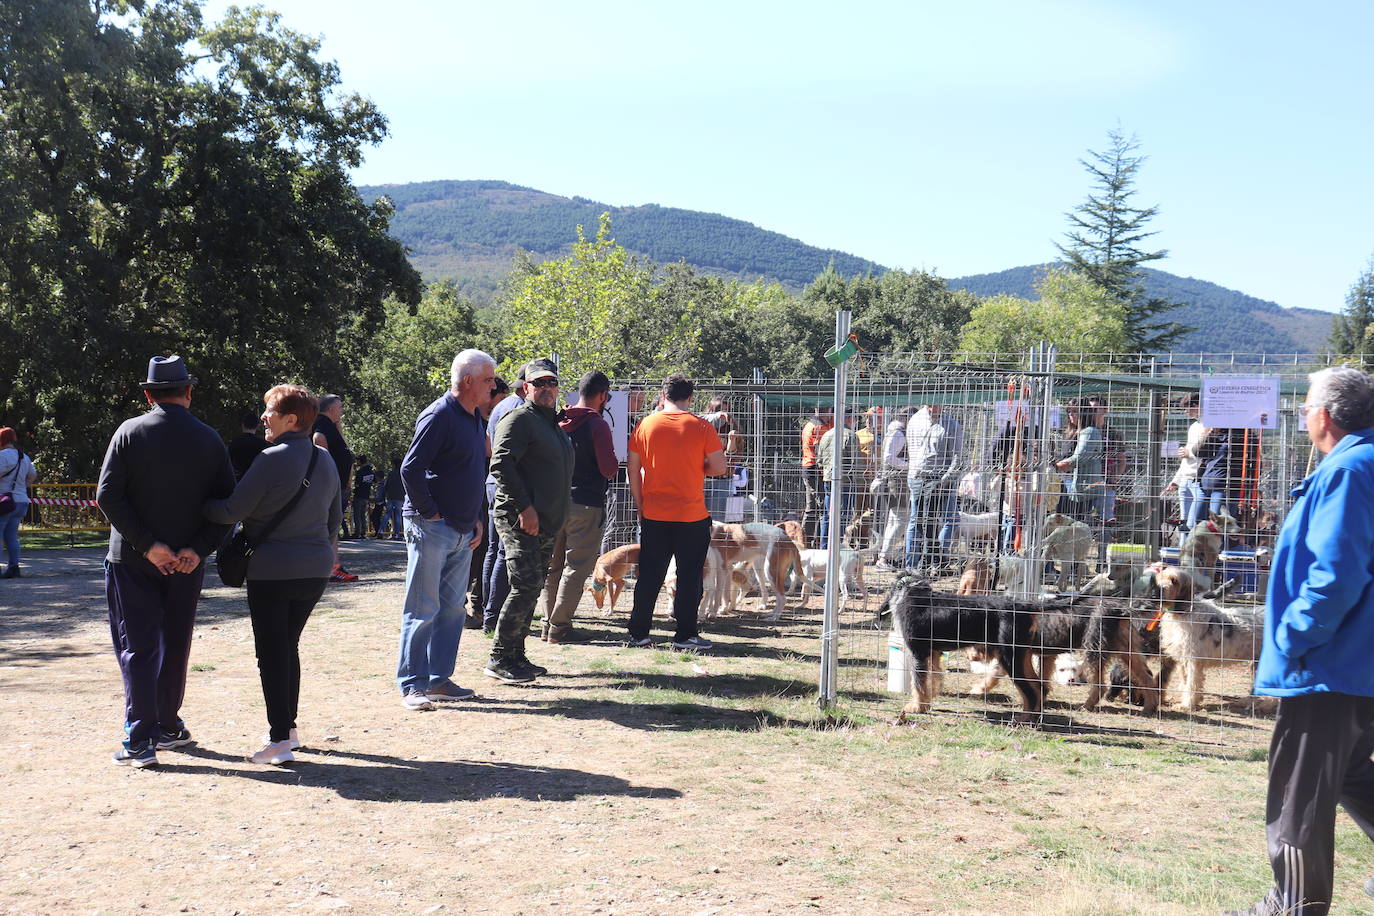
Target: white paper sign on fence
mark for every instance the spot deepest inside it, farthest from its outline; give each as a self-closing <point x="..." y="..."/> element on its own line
<point x="617" y="413"/>
<point x="1240" y="403"/>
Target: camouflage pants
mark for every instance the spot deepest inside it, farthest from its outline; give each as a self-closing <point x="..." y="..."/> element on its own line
<point x="527" y="565"/>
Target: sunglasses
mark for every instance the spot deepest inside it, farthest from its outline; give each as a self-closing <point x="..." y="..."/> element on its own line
<point x="545" y="382"/>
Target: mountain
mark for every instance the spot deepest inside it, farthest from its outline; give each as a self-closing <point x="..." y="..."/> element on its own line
<point x="470" y="230"/>
<point x="1225" y="320"/>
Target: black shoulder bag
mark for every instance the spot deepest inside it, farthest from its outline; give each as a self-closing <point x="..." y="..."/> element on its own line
<point x="231" y="560"/>
<point x="7" y="501"/>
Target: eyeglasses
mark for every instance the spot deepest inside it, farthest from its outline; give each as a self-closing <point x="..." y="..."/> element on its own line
<point x="545" y="382"/>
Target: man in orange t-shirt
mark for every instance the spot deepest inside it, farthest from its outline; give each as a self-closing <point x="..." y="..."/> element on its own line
<point x="821" y="421"/>
<point x="670" y="454"/>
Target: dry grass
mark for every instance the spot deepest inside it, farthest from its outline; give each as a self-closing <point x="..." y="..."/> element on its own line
<point x="625" y="782"/>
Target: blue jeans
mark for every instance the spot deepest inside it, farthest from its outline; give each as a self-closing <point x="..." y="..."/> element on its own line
<point x="934" y="520"/>
<point x="846" y="507"/>
<point x="391" y="517"/>
<point x="1190" y="504"/>
<point x="717" y="491"/>
<point x="432" y="617"/>
<point x="9" y="528"/>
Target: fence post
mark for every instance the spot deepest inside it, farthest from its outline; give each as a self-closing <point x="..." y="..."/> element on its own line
<point x="758" y="447"/>
<point x="830" y="645"/>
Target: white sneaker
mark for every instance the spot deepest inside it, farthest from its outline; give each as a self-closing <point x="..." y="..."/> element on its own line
<point x="416" y="701"/>
<point x="274" y="752"/>
<point x="293" y="742"/>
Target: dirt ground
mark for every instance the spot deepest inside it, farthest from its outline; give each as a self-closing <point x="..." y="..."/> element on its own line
<point x="627" y="781"/>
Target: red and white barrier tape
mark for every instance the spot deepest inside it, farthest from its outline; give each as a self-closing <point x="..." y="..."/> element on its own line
<point x="46" y="501"/>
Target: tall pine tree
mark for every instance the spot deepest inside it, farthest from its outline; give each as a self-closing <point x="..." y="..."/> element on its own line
<point x="1352" y="331"/>
<point x="1103" y="243"/>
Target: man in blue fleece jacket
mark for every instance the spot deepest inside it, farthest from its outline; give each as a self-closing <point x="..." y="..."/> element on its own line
<point x="1318" y="640"/>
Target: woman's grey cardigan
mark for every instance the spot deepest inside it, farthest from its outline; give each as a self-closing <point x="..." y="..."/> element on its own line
<point x="299" y="547"/>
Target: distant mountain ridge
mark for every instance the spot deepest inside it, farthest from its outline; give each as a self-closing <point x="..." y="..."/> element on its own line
<point x="1225" y="320"/>
<point x="466" y="228"/>
<point x="470" y="231"/>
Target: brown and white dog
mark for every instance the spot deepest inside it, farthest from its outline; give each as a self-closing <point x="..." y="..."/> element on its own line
<point x="976" y="578"/>
<point x="608" y="576"/>
<point x="1200" y="634"/>
<point x="795" y="531"/>
<point x="766" y="550"/>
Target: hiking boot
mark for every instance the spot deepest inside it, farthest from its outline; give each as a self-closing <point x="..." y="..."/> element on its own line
<point x="566" y="635"/>
<point x="416" y="701"/>
<point x="136" y="754"/>
<point x="643" y="642"/>
<point x="274" y="752"/>
<point x="692" y="644"/>
<point x="447" y="690"/>
<point x="508" y="670"/>
<point x="169" y="740"/>
<point x="1269" y="906"/>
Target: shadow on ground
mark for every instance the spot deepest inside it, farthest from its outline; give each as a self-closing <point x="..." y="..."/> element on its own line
<point x="371" y="777"/>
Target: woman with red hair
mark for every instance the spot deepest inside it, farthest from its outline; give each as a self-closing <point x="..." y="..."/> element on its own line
<point x="16" y="474"/>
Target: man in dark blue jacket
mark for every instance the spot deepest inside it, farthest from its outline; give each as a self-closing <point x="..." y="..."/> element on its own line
<point x="1318" y="640"/>
<point x="159" y="469"/>
<point x="443" y="474"/>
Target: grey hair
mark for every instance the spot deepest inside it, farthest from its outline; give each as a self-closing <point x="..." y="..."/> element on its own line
<point x="1346" y="393"/>
<point x="329" y="400"/>
<point x="466" y="363"/>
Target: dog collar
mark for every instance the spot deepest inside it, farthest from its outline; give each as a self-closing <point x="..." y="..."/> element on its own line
<point x="1212" y="527"/>
<point x="598" y="586"/>
<point x="1157" y="566"/>
<point x="1154" y="621"/>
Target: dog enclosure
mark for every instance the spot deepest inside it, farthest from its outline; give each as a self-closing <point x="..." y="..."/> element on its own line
<point x="1032" y="524"/>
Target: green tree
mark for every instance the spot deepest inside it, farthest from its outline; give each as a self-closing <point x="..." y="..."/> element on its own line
<point x="597" y="308"/>
<point x="1103" y="243"/>
<point x="1352" y="331"/>
<point x="403" y="365"/>
<point x="1072" y="312"/>
<point x="167" y="187"/>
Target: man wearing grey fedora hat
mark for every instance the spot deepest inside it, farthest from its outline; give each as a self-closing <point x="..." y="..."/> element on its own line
<point x="159" y="469"/>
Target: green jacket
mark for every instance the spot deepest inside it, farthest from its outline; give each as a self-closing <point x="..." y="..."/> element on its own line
<point x="532" y="461"/>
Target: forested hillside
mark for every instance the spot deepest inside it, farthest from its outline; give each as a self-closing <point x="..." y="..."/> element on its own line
<point x="1224" y="319"/>
<point x="469" y="231"/>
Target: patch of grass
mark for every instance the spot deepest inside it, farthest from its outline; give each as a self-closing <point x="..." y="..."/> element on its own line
<point x="202" y="666"/>
<point x="61" y="540"/>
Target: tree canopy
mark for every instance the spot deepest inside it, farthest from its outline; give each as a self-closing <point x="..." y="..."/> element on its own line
<point x="1352" y="331"/>
<point x="168" y="187"/>
<point x="1073" y="312"/>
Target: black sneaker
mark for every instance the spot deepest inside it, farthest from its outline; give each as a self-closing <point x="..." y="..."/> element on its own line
<point x="642" y="642"/>
<point x="136" y="754"/>
<point x="167" y="741"/>
<point x="539" y="670"/>
<point x="692" y="644"/>
<point x="508" y="670"/>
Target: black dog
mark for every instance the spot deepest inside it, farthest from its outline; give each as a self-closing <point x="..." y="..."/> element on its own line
<point x="932" y="622"/>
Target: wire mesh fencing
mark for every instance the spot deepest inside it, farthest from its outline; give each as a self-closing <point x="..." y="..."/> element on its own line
<point x="1084" y="492"/>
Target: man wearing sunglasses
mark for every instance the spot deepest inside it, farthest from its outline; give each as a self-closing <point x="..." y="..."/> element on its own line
<point x="532" y="461"/>
<point x="1318" y="636"/>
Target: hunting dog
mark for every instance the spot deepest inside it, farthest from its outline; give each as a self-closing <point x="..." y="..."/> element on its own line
<point x="767" y="552"/>
<point x="1069" y="543"/>
<point x="608" y="576"/>
<point x="1074" y="642"/>
<point x="795" y="532"/>
<point x="976" y="578"/>
<point x="930" y="622"/>
<point x="1199" y="634"/>
<point x="1202" y="548"/>
<point x="814" y="566"/>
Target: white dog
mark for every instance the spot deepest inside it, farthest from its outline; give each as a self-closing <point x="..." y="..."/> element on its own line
<point x="1070" y="544"/>
<point x="814" y="567"/>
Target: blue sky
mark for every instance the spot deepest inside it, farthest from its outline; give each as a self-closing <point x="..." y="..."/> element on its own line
<point x="924" y="135"/>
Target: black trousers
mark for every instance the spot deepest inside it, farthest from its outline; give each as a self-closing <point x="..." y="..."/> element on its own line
<point x="151" y="619"/>
<point x="1319" y="756"/>
<point x="279" y="609"/>
<point x="659" y="542"/>
<point x="811" y="513"/>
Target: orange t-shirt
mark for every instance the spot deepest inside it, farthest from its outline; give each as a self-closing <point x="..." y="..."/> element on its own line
<point x="811" y="438"/>
<point x="672" y="450"/>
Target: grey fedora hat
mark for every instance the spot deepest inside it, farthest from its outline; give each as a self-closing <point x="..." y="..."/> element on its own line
<point x="167" y="372"/>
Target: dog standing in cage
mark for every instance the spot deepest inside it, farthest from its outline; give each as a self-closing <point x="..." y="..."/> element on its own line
<point x="1318" y="638"/>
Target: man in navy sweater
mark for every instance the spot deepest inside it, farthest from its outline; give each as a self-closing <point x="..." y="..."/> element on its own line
<point x="1318" y="636"/>
<point x="443" y="473"/>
